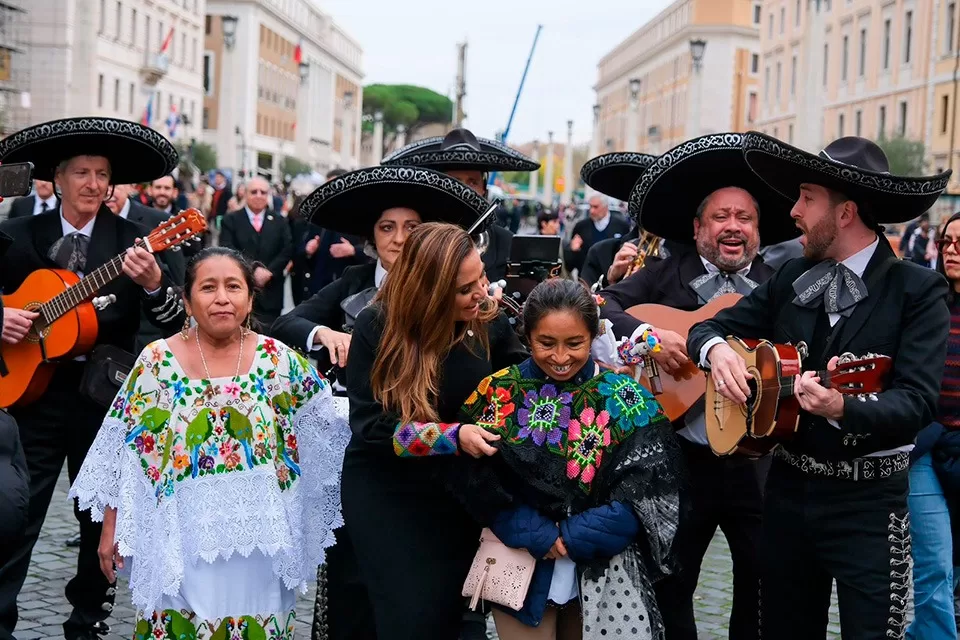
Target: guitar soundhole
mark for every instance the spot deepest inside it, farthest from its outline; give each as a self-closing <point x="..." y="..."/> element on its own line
<point x="40" y="328"/>
<point x="749" y="408"/>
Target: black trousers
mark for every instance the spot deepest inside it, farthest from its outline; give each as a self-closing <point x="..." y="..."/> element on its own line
<point x="347" y="610"/>
<point x="60" y="425"/>
<point x="820" y="529"/>
<point x="725" y="493"/>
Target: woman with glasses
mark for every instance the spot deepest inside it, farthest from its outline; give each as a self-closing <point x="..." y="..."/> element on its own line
<point x="935" y="476"/>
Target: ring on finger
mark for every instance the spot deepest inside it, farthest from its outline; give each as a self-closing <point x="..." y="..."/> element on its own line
<point x="720" y="383"/>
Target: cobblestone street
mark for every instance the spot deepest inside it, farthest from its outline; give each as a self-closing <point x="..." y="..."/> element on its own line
<point x="43" y="607"/>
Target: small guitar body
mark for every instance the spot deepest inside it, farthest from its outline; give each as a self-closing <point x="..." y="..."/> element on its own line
<point x="771" y="414"/>
<point x="71" y="335"/>
<point x="67" y="323"/>
<point x="679" y="391"/>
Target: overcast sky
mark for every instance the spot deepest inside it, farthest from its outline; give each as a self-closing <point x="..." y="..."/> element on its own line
<point x="414" y="42"/>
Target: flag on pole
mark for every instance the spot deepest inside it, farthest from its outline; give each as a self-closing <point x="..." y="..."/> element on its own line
<point x="172" y="121"/>
<point x="147" y="112"/>
<point x="166" y="41"/>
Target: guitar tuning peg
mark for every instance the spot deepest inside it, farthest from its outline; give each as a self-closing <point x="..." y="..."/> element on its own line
<point x="861" y="397"/>
<point x="873" y="397"/>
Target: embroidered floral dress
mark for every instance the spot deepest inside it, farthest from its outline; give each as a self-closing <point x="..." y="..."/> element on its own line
<point x="583" y="454"/>
<point x="226" y="490"/>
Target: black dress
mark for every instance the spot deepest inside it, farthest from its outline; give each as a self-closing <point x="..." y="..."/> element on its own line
<point x="414" y="541"/>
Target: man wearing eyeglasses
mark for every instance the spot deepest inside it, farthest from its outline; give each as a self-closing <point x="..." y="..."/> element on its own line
<point x="263" y="237"/>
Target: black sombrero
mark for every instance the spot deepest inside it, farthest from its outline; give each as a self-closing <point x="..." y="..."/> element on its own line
<point x="460" y="150"/>
<point x="614" y="174"/>
<point x="856" y="167"/>
<point x="353" y="202"/>
<point x="136" y="153"/>
<point x="664" y="200"/>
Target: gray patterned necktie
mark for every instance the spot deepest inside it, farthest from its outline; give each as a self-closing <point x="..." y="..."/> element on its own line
<point x="70" y="252"/>
<point x="840" y="288"/>
<point x="713" y="285"/>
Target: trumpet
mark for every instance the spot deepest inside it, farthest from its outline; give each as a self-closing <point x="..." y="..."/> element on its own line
<point x="648" y="245"/>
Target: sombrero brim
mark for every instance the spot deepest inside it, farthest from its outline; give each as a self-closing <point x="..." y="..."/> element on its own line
<point x="614" y="174"/>
<point x="893" y="198"/>
<point x="352" y="203"/>
<point x="666" y="197"/>
<point x="136" y="153"/>
<point x="492" y="156"/>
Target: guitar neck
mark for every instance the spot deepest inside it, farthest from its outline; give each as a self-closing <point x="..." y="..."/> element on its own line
<point x="83" y="290"/>
<point x="787" y="386"/>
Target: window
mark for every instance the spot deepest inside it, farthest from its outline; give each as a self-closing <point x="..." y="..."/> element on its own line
<point x="116" y="94"/>
<point x="793" y="76"/>
<point x="131" y="97"/>
<point x="845" y="55"/>
<point x="886" y="43"/>
<point x="757" y="13"/>
<point x="206" y="118"/>
<point x="100" y="90"/>
<point x="862" y="66"/>
<point x="858" y="122"/>
<point x="945" y="111"/>
<point x="161" y="36"/>
<point x="752" y="108"/>
<point x="948" y="43"/>
<point x="778" y="94"/>
<point x="783" y="19"/>
<point x="146" y="35"/>
<point x="907" y="36"/>
<point x="133" y="26"/>
<point x="770" y="26"/>
<point x="754" y="63"/>
<point x="826" y="62"/>
<point x="790" y="134"/>
<point x="766" y="85"/>
<point x="119" y="20"/>
<point x="882" y="119"/>
<point x="840" y="124"/>
<point x="796" y="14"/>
<point x="183" y="48"/>
<point x="206" y="25"/>
<point x="903" y="118"/>
<point x="103" y="17"/>
<point x="193" y="55"/>
<point x="208" y="73"/>
<point x="776" y="132"/>
<point x="193" y="108"/>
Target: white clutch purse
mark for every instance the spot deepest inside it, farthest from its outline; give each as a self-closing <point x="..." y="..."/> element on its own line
<point x="499" y="574"/>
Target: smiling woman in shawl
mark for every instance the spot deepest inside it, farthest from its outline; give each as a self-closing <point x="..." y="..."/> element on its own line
<point x="585" y="479"/>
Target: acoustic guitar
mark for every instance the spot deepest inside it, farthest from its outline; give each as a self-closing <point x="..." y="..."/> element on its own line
<point x="679" y="391"/>
<point x="772" y="412"/>
<point x="67" y="324"/>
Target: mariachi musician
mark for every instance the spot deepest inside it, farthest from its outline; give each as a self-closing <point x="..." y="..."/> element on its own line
<point x="614" y="174"/>
<point x="382" y="204"/>
<point x="470" y="159"/>
<point x="84" y="157"/>
<point x="836" y="497"/>
<point x="702" y="196"/>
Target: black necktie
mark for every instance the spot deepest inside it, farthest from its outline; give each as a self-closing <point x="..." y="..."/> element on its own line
<point x="839" y="287"/>
<point x="44" y="207"/>
<point x="70" y="252"/>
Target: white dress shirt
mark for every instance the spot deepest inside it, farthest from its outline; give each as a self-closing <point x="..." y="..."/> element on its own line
<point x="125" y="211"/>
<point x="51" y="203"/>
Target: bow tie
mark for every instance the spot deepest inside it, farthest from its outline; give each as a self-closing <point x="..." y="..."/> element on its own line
<point x="70" y="252"/>
<point x="840" y="288"/>
<point x="712" y="285"/>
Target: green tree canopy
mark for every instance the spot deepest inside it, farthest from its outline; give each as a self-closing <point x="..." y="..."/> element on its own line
<point x="200" y="154"/>
<point x="905" y="155"/>
<point x="293" y="167"/>
<point x="405" y="104"/>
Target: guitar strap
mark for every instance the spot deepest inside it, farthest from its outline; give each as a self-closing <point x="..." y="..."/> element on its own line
<point x="873" y="284"/>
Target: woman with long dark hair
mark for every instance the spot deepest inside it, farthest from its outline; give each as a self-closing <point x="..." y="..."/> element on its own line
<point x="430" y="337"/>
<point x="935" y="476"/>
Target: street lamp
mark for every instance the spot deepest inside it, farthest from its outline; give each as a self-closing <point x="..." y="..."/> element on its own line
<point x="304" y="71"/>
<point x="596" y="112"/>
<point x="347" y="99"/>
<point x="634" y="88"/>
<point x="696" y="52"/>
<point x="229" y="24"/>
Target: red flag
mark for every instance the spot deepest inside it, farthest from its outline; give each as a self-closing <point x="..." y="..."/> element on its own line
<point x="167" y="41"/>
<point x="298" y="54"/>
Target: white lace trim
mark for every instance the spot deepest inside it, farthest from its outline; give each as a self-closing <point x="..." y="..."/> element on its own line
<point x="216" y="516"/>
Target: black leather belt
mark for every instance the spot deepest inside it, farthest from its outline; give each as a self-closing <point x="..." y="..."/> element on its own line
<point x="872" y="468"/>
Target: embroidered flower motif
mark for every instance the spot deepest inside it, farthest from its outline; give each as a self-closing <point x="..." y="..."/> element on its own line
<point x="587" y="437"/>
<point x="232" y="389"/>
<point x="544" y="415"/>
<point x="627" y="401"/>
<point x="231" y="460"/>
<point x="497" y="409"/>
<point x="206" y="463"/>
